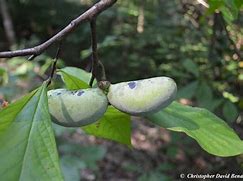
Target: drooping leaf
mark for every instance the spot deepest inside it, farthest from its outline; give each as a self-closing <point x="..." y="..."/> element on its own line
<point x="115" y="126"/>
<point x="75" y="78"/>
<point x="28" y="148"/>
<point x="212" y="133"/>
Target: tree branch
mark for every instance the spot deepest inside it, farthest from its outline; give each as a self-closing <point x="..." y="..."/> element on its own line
<point x="88" y="15"/>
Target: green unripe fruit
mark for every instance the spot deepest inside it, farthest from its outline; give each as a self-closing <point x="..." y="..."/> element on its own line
<point x="142" y="97"/>
<point x="76" y="108"/>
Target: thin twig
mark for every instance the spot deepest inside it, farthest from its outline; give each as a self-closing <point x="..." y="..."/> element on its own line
<point x="86" y="16"/>
<point x="53" y="69"/>
<point x="94" y="51"/>
<point x="98" y="69"/>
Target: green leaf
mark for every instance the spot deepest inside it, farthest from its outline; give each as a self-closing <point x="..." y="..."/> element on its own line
<point x="214" y="4"/>
<point x="75" y="78"/>
<point x="188" y="91"/>
<point x="212" y="133"/>
<point x="230" y="111"/>
<point x="238" y="3"/>
<point x="28" y="148"/>
<point x="229" y="8"/>
<point x="191" y="67"/>
<point x="204" y="95"/>
<point x="233" y="8"/>
<point x="228" y="14"/>
<point x="3" y="76"/>
<point x="215" y="103"/>
<point x="115" y="126"/>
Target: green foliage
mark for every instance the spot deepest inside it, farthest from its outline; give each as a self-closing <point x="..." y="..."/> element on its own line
<point x="76" y="157"/>
<point x="212" y="133"/>
<point x="3" y="76"/>
<point x="229" y="8"/>
<point x="21" y="76"/>
<point x="230" y="111"/>
<point x="28" y="148"/>
<point x="115" y="126"/>
<point x="12" y="82"/>
<point x="75" y="78"/>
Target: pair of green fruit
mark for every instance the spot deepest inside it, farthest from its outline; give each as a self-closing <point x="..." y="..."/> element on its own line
<point x="85" y="106"/>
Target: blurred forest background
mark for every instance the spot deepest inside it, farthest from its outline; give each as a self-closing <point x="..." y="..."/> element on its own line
<point x="199" y="47"/>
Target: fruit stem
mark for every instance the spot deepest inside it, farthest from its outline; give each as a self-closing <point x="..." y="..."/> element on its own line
<point x="104" y="85"/>
<point x="98" y="70"/>
<point x="53" y="69"/>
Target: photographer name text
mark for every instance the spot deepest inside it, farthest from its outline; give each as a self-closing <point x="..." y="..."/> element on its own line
<point x="211" y="176"/>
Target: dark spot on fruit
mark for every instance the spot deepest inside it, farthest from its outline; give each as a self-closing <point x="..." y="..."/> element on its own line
<point x="74" y="92"/>
<point x="132" y="85"/>
<point x="80" y="93"/>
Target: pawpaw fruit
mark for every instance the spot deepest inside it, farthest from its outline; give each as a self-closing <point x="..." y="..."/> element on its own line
<point x="142" y="97"/>
<point x="76" y="108"/>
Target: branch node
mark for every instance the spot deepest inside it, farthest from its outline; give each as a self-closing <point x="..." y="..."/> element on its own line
<point x="32" y="57"/>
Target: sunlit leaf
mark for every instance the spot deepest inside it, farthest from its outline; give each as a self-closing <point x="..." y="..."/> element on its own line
<point x="75" y="78"/>
<point x="3" y="76"/>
